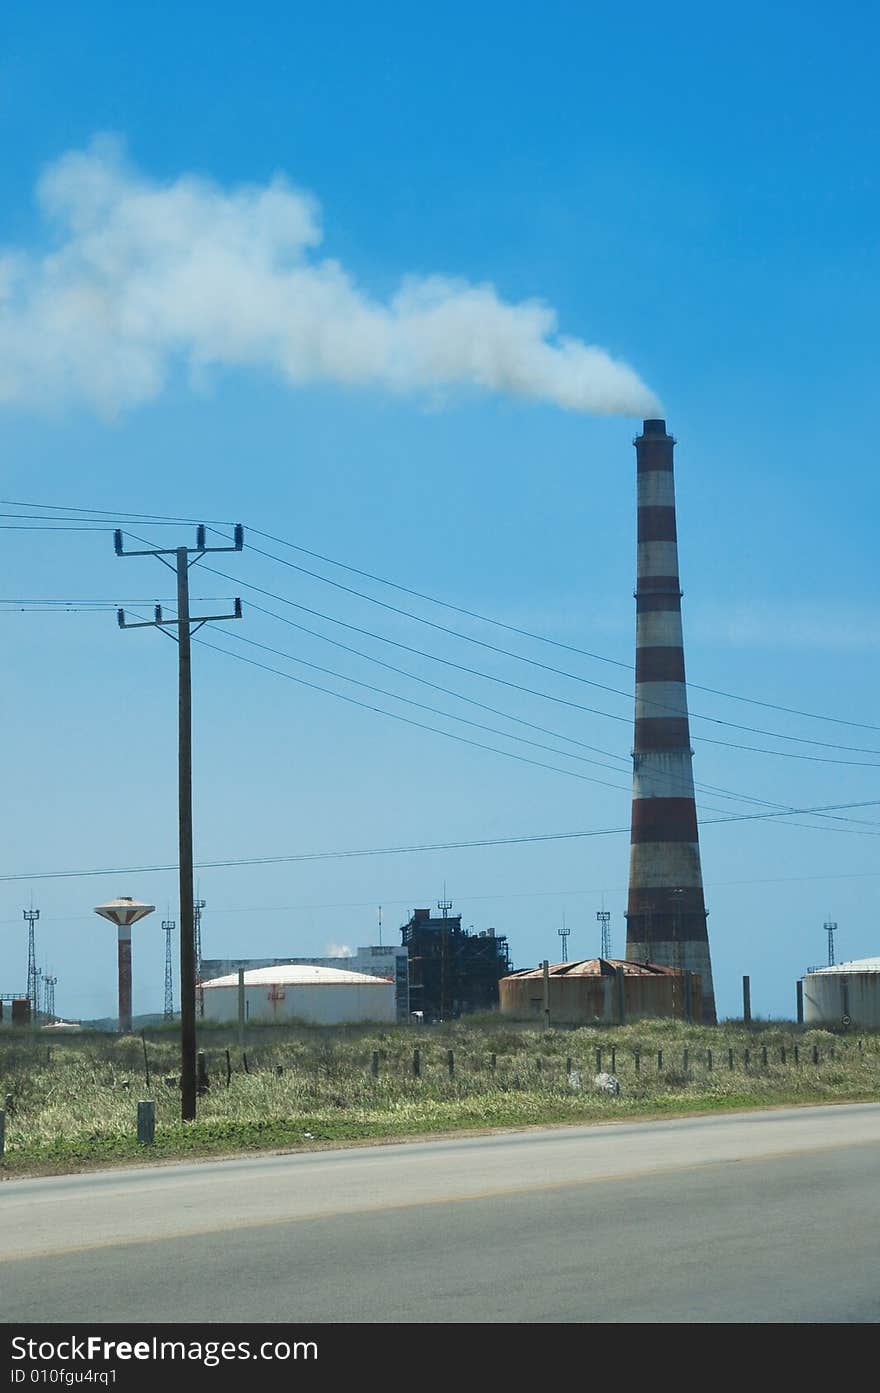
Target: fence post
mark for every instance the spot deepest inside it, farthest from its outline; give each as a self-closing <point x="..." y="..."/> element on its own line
<point x="244" y="1062"/>
<point x="203" y="1082"/>
<point x="746" y="1057"/>
<point x="598" y="1061"/>
<point x="815" y="1054"/>
<point x="375" y="1065"/>
<point x="764" y="1055"/>
<point x="2" y="1132"/>
<point x="417" y="1063"/>
<point x="568" y="1064"/>
<point x="730" y="1059"/>
<point x="709" y="1060"/>
<point x="797" y="1055"/>
<point x="638" y="1061"/>
<point x="146" y="1123"/>
<point x="492" y="1062"/>
<point x="782" y="1054"/>
<point x="241" y="1008"/>
<point x="228" y="1068"/>
<point x="659" y="1059"/>
<point x="539" y="1064"/>
<point x="747" y="1001"/>
<point x="450" y="1062"/>
<point x="685" y="1060"/>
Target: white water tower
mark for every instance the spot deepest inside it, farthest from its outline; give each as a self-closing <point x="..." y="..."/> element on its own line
<point x="123" y="913"/>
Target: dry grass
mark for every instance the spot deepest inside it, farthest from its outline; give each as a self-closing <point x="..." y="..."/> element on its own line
<point x="72" y="1101"/>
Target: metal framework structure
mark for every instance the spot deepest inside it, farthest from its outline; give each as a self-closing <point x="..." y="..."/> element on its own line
<point x="169" y="925"/>
<point x="49" y="985"/>
<point x="198" y="906"/>
<point x="831" y="929"/>
<point x="563" y="934"/>
<point x="31" y="917"/>
<point x="604" y="917"/>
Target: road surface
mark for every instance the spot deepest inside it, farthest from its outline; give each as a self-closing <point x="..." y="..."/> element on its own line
<point x="754" y="1217"/>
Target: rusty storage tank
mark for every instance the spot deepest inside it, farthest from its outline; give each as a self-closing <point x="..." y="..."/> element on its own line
<point x="602" y="991"/>
<point x="845" y="994"/>
<point x="21" y="1010"/>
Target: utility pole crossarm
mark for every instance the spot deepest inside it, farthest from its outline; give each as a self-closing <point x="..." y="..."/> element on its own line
<point x="161" y="622"/>
<point x="198" y="550"/>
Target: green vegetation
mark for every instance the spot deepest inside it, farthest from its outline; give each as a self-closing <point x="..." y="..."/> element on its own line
<point x="71" y="1101"/>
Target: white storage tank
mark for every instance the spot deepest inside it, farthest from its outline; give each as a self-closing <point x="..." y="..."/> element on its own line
<point x="301" y="992"/>
<point x="845" y="994"/>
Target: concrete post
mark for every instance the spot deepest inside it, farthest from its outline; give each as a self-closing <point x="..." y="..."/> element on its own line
<point x="747" y="1002"/>
<point x="546" y="966"/>
<point x="417" y="1062"/>
<point x="241" y="1008"/>
<point x="146" y="1123"/>
<point x="2" y="1132"/>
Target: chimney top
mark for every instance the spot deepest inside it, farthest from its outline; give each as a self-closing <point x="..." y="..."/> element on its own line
<point x="654" y="427"/>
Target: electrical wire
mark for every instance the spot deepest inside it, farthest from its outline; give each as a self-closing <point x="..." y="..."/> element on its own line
<point x="432" y="599"/>
<point x="398" y="850"/>
<point x="492" y="748"/>
<point x="675" y="781"/>
<point x="518" y="686"/>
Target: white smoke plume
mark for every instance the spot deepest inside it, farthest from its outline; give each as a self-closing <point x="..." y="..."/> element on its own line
<point x="144" y="277"/>
<point x="338" y="950"/>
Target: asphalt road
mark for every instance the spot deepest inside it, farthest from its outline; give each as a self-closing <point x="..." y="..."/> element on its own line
<point x="749" y="1218"/>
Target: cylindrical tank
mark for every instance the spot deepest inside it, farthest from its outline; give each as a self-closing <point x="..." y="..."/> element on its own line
<point x="589" y="992"/>
<point x="304" y="993"/>
<point x="845" y="994"/>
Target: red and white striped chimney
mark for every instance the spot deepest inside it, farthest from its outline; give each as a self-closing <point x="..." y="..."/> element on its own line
<point x="666" y="912"/>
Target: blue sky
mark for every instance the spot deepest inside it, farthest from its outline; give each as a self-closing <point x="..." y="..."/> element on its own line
<point x="697" y="196"/>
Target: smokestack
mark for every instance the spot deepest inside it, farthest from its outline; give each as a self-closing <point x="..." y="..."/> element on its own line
<point x="666" y="913"/>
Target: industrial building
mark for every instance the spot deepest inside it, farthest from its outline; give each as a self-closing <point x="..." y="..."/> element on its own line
<point x="666" y="912"/>
<point x="452" y="971"/>
<point x="601" y="991"/>
<point x="843" y="994"/>
<point x="301" y="992"/>
<point x="377" y="960"/>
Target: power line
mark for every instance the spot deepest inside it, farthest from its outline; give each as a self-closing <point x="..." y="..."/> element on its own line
<point x="520" y="687"/>
<point x="414" y="848"/>
<point x="709" y="788"/>
<point x="585" y="778"/>
<point x="548" y="667"/>
<point x="432" y="599"/>
<point x="543" y="638"/>
<point x="724" y="793"/>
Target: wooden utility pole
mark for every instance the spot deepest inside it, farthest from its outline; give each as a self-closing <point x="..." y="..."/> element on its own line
<point x="184" y="626"/>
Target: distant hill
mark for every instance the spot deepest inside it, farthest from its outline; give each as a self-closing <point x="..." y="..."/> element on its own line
<point x="111" y="1023"/>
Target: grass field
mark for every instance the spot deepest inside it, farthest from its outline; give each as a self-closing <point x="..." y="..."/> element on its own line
<point x="71" y="1102"/>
